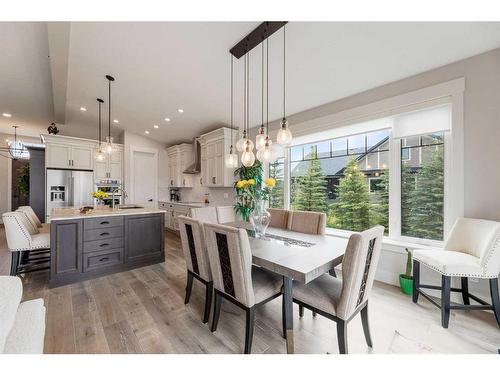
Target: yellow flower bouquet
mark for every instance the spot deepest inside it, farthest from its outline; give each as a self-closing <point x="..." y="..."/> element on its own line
<point x="100" y="196"/>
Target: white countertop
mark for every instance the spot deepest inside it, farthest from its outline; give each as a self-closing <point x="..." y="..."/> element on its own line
<point x="68" y="213"/>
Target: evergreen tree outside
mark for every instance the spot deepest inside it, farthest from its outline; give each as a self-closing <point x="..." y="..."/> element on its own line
<point x="379" y="213"/>
<point x="422" y="206"/>
<point x="309" y="192"/>
<point x="276" y="198"/>
<point x="351" y="209"/>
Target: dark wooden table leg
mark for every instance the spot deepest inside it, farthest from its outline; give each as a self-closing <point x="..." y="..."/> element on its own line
<point x="288" y="303"/>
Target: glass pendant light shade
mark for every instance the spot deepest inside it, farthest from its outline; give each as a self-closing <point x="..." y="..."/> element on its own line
<point x="284" y="136"/>
<point x="99" y="154"/>
<point x="266" y="153"/>
<point x="231" y="159"/>
<point x="109" y="147"/>
<point x="260" y="139"/>
<point x="241" y="144"/>
<point x="247" y="158"/>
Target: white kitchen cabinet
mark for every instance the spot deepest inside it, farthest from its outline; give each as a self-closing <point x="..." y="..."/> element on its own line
<point x="214" y="145"/>
<point x="179" y="158"/>
<point x="69" y="153"/>
<point x="111" y="167"/>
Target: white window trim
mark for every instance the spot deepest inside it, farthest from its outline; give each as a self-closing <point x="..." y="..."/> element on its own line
<point x="341" y="123"/>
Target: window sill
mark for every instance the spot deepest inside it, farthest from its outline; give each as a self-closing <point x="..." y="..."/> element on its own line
<point x="390" y="244"/>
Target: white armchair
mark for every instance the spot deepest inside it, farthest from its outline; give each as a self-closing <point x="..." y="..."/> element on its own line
<point x="472" y="250"/>
<point x="22" y="324"/>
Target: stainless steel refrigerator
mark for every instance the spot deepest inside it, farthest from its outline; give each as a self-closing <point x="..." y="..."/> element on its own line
<point x="68" y="189"/>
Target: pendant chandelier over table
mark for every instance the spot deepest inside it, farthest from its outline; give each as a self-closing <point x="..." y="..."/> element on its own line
<point x="266" y="151"/>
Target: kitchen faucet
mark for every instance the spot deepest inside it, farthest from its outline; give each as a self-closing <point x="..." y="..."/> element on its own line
<point x="124" y="195"/>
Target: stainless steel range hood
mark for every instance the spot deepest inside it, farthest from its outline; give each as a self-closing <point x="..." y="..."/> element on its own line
<point x="196" y="166"/>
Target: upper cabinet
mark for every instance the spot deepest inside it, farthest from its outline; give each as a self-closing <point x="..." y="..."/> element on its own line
<point x="179" y="158"/>
<point x="69" y="153"/>
<point x="213" y="147"/>
<point x="111" y="167"/>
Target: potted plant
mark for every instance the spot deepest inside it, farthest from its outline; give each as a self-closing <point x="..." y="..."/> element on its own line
<point x="249" y="182"/>
<point x="406" y="279"/>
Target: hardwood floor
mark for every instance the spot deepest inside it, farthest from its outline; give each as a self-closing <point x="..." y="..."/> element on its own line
<point x="143" y="311"/>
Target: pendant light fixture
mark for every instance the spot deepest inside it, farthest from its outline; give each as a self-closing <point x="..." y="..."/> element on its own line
<point x="109" y="147"/>
<point x="15" y="149"/>
<point x="247" y="157"/>
<point x="265" y="153"/>
<point x="284" y="136"/>
<point x="99" y="154"/>
<point x="231" y="158"/>
<point x="260" y="139"/>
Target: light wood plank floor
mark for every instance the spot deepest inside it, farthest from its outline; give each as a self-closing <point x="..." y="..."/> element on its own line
<point x="143" y="311"/>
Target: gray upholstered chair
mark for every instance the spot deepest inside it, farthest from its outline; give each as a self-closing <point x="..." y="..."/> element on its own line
<point x="204" y="214"/>
<point x="33" y="218"/>
<point x="307" y="222"/>
<point x="340" y="300"/>
<point x="195" y="253"/>
<point x="30" y="250"/>
<point x="226" y="214"/>
<point x="279" y="218"/>
<point x="472" y="250"/>
<point x="235" y="279"/>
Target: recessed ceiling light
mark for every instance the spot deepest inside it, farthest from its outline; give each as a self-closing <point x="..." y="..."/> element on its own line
<point x="116" y="121"/>
<point x="83" y="109"/>
<point x="167" y="119"/>
<point x="155" y="126"/>
<point x="6" y="114"/>
<point x="146" y="131"/>
<point x="180" y="110"/>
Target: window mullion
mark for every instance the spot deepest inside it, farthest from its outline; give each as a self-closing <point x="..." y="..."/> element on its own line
<point x="394" y="187"/>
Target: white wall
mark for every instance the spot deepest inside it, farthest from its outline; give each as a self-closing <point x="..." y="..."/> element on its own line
<point x="129" y="139"/>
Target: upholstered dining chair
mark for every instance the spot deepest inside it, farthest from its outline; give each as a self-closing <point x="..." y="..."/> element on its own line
<point x="226" y="214"/>
<point x="340" y="300"/>
<point x="33" y="218"/>
<point x="30" y="250"/>
<point x="279" y="218"/>
<point x="235" y="279"/>
<point x="197" y="263"/>
<point x="204" y="214"/>
<point x="307" y="222"/>
<point x="472" y="250"/>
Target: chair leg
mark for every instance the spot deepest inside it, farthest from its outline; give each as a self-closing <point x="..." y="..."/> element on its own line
<point x="495" y="298"/>
<point x="366" y="327"/>
<point x="283" y="314"/>
<point x="465" y="290"/>
<point x="416" y="280"/>
<point x="215" y="317"/>
<point x="25" y="255"/>
<point x="208" y="300"/>
<point x="250" y="320"/>
<point x="445" y="300"/>
<point x="342" y="336"/>
<point x="301" y="311"/>
<point x="14" y="263"/>
<point x="189" y="287"/>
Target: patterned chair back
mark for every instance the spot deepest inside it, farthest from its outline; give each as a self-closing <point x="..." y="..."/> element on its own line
<point x="17" y="232"/>
<point x="231" y="262"/>
<point x="193" y="246"/>
<point x="479" y="238"/>
<point x="358" y="269"/>
<point x="31" y="215"/>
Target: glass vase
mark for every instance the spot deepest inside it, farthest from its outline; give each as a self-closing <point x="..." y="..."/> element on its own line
<point x="260" y="218"/>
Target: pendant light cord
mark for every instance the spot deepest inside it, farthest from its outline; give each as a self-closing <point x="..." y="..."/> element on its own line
<point x="267" y="87"/>
<point x="262" y="112"/>
<point x="99" y="105"/>
<point x="109" y="110"/>
<point x="231" y="102"/>
<point x="248" y="92"/>
<point x="284" y="67"/>
<point x="245" y="98"/>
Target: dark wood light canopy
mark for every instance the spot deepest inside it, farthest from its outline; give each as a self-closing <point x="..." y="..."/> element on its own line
<point x="257" y="36"/>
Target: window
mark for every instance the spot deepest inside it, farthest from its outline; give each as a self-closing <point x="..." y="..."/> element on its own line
<point x="349" y="178"/>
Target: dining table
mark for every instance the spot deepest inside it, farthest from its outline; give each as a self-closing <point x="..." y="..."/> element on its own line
<point x="299" y="257"/>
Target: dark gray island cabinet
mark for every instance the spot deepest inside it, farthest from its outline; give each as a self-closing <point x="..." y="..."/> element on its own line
<point x="84" y="248"/>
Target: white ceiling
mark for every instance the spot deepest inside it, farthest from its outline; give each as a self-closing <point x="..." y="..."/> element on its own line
<point x="162" y="66"/>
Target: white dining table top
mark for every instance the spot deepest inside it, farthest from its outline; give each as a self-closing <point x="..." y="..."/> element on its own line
<point x="300" y="263"/>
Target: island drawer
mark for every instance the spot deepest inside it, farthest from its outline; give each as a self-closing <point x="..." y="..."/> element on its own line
<point x="102" y="222"/>
<point x="102" y="233"/>
<point x="105" y="244"/>
<point x="101" y="259"/>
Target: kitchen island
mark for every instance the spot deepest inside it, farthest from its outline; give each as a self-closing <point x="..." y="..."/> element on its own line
<point x="102" y="241"/>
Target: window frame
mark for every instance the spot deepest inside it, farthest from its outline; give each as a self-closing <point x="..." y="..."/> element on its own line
<point x="350" y="121"/>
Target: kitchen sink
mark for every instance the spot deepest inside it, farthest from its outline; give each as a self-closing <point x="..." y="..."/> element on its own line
<point x="128" y="206"/>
